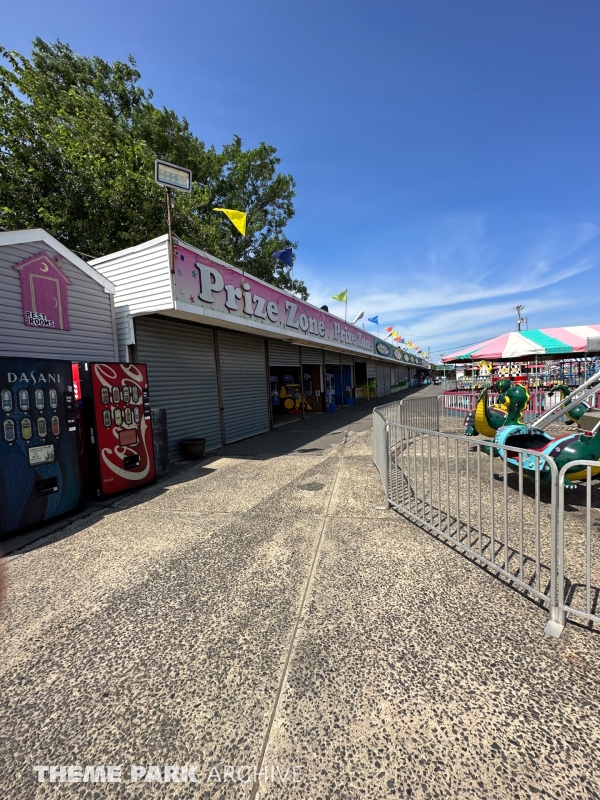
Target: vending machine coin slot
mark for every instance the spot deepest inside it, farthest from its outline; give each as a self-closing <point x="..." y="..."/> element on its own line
<point x="131" y="462"/>
<point x="7" y="404"/>
<point x="46" y="486"/>
<point x="71" y="411"/>
<point x="9" y="430"/>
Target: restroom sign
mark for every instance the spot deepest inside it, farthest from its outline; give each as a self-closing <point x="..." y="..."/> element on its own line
<point x="44" y="293"/>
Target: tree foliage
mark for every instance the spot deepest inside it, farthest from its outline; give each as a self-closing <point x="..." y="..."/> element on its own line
<point x="78" y="139"/>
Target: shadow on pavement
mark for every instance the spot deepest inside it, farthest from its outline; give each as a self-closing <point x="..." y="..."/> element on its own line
<point x="310" y="436"/>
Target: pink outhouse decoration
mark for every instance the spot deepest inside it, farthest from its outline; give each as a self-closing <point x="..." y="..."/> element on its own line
<point x="44" y="293"/>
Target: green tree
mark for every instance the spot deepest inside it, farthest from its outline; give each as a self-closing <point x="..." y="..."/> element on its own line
<point x="78" y="139"/>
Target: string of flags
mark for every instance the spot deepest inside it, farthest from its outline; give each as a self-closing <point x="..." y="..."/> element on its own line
<point x="396" y="337"/>
<point x="238" y="219"/>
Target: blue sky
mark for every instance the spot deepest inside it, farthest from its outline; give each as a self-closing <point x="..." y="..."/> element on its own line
<point x="445" y="153"/>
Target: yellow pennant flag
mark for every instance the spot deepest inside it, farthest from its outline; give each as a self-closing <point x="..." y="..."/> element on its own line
<point x="238" y="218"/>
<point x="342" y="296"/>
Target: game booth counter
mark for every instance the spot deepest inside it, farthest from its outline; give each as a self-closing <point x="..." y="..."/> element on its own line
<point x="230" y="356"/>
<point x="56" y="311"/>
<point x="550" y="362"/>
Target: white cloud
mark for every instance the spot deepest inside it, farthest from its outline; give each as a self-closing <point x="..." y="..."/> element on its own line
<point x="457" y="272"/>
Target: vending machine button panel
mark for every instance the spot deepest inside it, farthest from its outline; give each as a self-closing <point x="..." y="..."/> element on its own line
<point x="23" y="399"/>
<point x="136" y="415"/>
<point x="42" y="427"/>
<point x="26" y="429"/>
<point x="104" y="395"/>
<point x="9" y="430"/>
<point x="53" y="398"/>
<point x="39" y="399"/>
<point x="135" y="394"/>
<point x="55" y="425"/>
<point x="118" y="416"/>
<point x="116" y="394"/>
<point x="7" y="403"/>
<point x="106" y="418"/>
<point x="126" y="396"/>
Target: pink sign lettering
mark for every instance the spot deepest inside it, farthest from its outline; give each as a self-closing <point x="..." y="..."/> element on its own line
<point x="201" y="282"/>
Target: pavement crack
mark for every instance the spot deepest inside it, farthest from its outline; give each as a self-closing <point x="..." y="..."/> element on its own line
<point x="299" y="615"/>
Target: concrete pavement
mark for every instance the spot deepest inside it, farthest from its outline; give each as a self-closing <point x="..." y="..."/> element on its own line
<point x="261" y="613"/>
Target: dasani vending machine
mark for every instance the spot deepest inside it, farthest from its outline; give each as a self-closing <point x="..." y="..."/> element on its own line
<point x="39" y="464"/>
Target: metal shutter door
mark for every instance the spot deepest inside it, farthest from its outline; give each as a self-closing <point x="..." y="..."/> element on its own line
<point x="243" y="385"/>
<point x="347" y="359"/>
<point x="371" y="369"/>
<point x="380" y="380"/>
<point x="332" y="357"/>
<point x="182" y="378"/>
<point x="283" y="354"/>
<point x="387" y="378"/>
<point x="311" y="355"/>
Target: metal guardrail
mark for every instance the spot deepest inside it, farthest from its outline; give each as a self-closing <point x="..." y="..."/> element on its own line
<point x="423" y="412"/>
<point x="460" y="403"/>
<point x="531" y="530"/>
<point x="579" y="545"/>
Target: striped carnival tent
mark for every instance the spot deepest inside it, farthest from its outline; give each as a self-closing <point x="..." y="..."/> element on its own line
<point x="545" y="343"/>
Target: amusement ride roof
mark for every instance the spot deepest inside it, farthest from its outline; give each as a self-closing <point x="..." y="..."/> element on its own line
<point x="549" y="342"/>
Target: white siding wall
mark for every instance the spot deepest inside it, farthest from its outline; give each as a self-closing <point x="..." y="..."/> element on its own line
<point x="91" y="314"/>
<point x="143" y="280"/>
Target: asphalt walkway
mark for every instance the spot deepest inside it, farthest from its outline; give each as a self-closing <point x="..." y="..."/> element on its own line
<point x="261" y="617"/>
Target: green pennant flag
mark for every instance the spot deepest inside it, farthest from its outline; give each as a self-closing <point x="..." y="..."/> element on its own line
<point x="342" y="296"/>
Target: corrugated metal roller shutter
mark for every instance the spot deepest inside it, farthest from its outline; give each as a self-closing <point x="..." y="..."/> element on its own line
<point x="371" y="369"/>
<point x="283" y="354"/>
<point x="312" y="355"/>
<point x="387" y="378"/>
<point x="347" y="358"/>
<point x="243" y="385"/>
<point x="332" y="357"/>
<point x="182" y="377"/>
<point x="380" y="380"/>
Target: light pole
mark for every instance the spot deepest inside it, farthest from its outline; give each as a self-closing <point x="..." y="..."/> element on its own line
<point x="172" y="177"/>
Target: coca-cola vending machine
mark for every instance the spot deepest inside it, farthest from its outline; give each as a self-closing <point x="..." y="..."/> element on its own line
<point x="116" y="429"/>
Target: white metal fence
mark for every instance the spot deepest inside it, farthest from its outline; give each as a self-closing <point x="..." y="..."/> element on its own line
<point x="459" y="403"/>
<point x="509" y="510"/>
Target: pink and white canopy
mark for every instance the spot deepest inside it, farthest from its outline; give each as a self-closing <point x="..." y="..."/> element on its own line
<point x="546" y="342"/>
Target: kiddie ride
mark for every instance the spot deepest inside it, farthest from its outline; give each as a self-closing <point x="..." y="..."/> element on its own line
<point x="579" y="446"/>
<point x="293" y="399"/>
